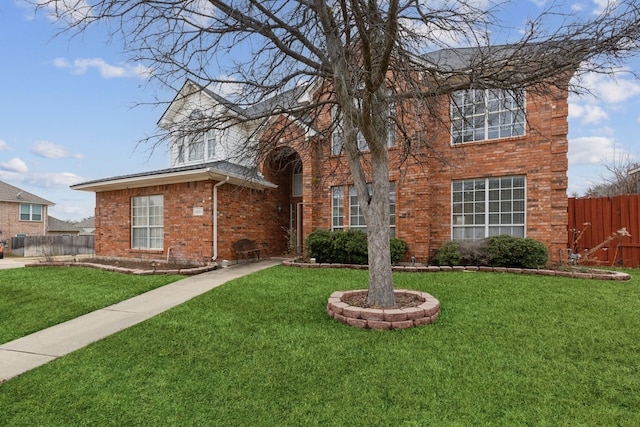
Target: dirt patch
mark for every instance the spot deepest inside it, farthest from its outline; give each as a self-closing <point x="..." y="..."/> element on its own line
<point x="402" y="301"/>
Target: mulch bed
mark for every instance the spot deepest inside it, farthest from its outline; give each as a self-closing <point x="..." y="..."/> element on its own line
<point x="402" y="301"/>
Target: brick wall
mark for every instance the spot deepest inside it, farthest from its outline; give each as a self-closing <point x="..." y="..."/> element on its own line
<point x="10" y="223"/>
<point x="423" y="189"/>
<point x="242" y="213"/>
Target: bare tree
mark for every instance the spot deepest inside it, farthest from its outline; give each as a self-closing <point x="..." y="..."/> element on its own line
<point x="366" y="56"/>
<point x="622" y="177"/>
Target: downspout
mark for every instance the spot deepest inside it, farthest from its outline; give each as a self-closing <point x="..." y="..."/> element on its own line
<point x="215" y="218"/>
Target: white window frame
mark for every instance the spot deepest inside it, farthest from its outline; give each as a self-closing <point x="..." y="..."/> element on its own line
<point x="487" y="114"/>
<point x="196" y="148"/>
<point x="356" y="218"/>
<point x="210" y="144"/>
<point x="337" y="208"/>
<point x="32" y="215"/>
<point x="486" y="207"/>
<point x="337" y="136"/>
<point x="147" y="222"/>
<point x="296" y="180"/>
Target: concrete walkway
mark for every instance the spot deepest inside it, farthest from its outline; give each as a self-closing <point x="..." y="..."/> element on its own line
<point x="29" y="352"/>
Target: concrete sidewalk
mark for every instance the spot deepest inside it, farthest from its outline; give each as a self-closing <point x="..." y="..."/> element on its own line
<point x="41" y="347"/>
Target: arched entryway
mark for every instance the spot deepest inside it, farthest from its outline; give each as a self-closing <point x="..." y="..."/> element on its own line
<point x="284" y="168"/>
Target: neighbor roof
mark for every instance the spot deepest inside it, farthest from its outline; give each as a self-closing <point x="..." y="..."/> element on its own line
<point x="9" y="193"/>
<point x="55" y="224"/>
<point x="218" y="171"/>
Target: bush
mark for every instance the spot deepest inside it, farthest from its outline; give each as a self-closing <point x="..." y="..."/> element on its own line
<point x="350" y="247"/>
<point x="448" y="254"/>
<point x="399" y="248"/>
<point x="347" y="247"/>
<point x="497" y="251"/>
<point x="509" y="251"/>
<point x="320" y="245"/>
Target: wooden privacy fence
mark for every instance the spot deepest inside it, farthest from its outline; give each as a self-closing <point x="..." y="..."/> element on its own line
<point x="594" y="225"/>
<point x="46" y="246"/>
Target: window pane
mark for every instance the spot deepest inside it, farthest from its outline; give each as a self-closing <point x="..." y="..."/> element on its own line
<point x="147" y="219"/>
<point x="471" y="198"/>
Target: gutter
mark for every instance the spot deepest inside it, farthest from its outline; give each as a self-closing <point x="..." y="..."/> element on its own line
<point x="215" y="216"/>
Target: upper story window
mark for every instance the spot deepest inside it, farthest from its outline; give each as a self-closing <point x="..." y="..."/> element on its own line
<point x="29" y="212"/>
<point x="196" y="148"/>
<point x="479" y="115"/>
<point x="337" y="137"/>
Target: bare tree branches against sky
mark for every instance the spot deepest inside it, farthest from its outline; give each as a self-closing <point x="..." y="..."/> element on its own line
<point x="77" y="93"/>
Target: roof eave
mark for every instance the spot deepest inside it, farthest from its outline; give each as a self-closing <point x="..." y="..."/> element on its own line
<point x="204" y="174"/>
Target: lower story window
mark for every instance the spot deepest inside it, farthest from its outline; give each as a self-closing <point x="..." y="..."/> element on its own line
<point x="147" y="222"/>
<point x="337" y="208"/>
<point x="356" y="217"/>
<point x="488" y="207"/>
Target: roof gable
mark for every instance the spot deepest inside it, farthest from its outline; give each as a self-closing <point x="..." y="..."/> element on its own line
<point x="9" y="193"/>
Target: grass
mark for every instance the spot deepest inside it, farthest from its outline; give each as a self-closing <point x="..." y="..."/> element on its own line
<point x="36" y="298"/>
<point x="260" y="351"/>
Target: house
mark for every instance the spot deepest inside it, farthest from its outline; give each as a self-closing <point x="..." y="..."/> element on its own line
<point x="57" y="227"/>
<point x="87" y="226"/>
<point x="501" y="169"/>
<point x="21" y="213"/>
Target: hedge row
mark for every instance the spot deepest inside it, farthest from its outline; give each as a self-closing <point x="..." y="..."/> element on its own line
<point x="497" y="251"/>
<point x="347" y="247"/>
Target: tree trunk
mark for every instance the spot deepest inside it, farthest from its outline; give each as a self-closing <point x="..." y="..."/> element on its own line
<point x="376" y="215"/>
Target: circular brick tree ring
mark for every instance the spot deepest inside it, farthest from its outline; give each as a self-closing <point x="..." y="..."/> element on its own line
<point x="387" y="318"/>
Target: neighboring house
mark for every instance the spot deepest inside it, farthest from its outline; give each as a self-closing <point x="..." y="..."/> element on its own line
<point x="57" y="227"/>
<point x="502" y="170"/>
<point x="87" y="226"/>
<point x="21" y="213"/>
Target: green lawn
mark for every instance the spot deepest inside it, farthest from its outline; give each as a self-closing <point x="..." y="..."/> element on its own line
<point x="32" y="299"/>
<point x="507" y="350"/>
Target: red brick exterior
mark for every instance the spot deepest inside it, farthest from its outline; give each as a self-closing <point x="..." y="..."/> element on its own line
<point x="423" y="193"/>
<point x="242" y="213"/>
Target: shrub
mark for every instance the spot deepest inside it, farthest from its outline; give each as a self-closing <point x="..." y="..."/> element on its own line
<point x="448" y="254"/>
<point x="350" y="247"/>
<point x="347" y="247"/>
<point x="497" y="251"/>
<point x="473" y="252"/>
<point x="509" y="251"/>
<point x="398" y="249"/>
<point x="319" y="245"/>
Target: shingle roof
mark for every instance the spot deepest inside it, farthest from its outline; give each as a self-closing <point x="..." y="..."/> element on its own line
<point x="87" y="223"/>
<point x="55" y="224"/>
<point x="241" y="174"/>
<point x="9" y="193"/>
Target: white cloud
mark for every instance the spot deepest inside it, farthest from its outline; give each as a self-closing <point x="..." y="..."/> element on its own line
<point x="4" y="146"/>
<point x="14" y="165"/>
<point x="588" y="114"/>
<point x="72" y="11"/>
<point x="47" y="180"/>
<point x="82" y="65"/>
<point x="613" y="90"/>
<point x="50" y="150"/>
<point x="592" y="150"/>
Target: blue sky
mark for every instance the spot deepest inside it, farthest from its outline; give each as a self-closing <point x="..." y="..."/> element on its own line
<point x="68" y="111"/>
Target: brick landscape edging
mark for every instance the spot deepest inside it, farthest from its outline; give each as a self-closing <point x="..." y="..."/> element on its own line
<point x="609" y="275"/>
<point x="383" y="318"/>
<point x="182" y="271"/>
